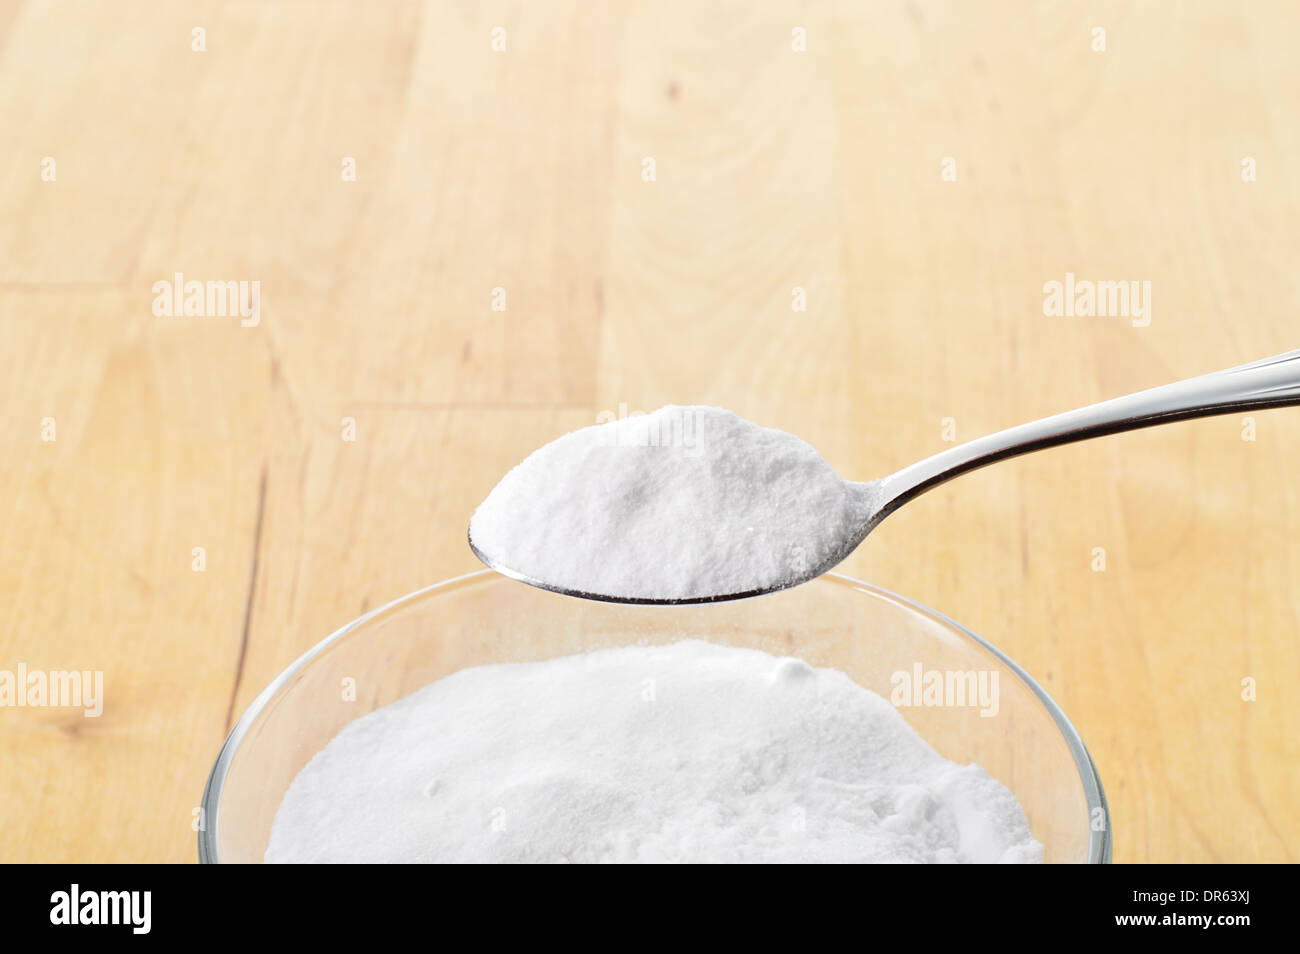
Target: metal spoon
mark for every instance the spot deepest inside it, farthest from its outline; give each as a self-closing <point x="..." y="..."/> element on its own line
<point x="1271" y="382"/>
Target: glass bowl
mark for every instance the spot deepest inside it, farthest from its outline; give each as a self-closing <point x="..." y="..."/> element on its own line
<point x="869" y="633"/>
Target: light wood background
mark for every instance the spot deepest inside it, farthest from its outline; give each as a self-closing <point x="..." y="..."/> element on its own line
<point x="522" y="169"/>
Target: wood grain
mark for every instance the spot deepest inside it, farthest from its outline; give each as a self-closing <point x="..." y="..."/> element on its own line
<point x="522" y="170"/>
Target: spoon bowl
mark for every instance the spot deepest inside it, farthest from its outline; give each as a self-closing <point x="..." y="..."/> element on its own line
<point x="1270" y="382"/>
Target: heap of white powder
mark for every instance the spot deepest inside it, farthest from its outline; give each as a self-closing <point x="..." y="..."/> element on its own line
<point x="687" y="502"/>
<point x="685" y="752"/>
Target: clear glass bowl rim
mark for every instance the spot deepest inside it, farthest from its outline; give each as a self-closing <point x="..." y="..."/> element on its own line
<point x="1099" y="842"/>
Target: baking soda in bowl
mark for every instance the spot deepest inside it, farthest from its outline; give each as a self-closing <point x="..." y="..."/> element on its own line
<point x="689" y="752"/>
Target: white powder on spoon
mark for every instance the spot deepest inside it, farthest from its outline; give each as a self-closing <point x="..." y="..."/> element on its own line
<point x="686" y="752"/>
<point x="686" y="502"/>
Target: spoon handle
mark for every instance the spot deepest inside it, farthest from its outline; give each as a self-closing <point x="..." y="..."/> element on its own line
<point x="1271" y="382"/>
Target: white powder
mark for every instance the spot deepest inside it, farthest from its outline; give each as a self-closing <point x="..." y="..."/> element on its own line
<point x="686" y="502"/>
<point x="686" y="752"/>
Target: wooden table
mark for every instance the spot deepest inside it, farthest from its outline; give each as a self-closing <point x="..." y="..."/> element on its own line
<point x="780" y="176"/>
